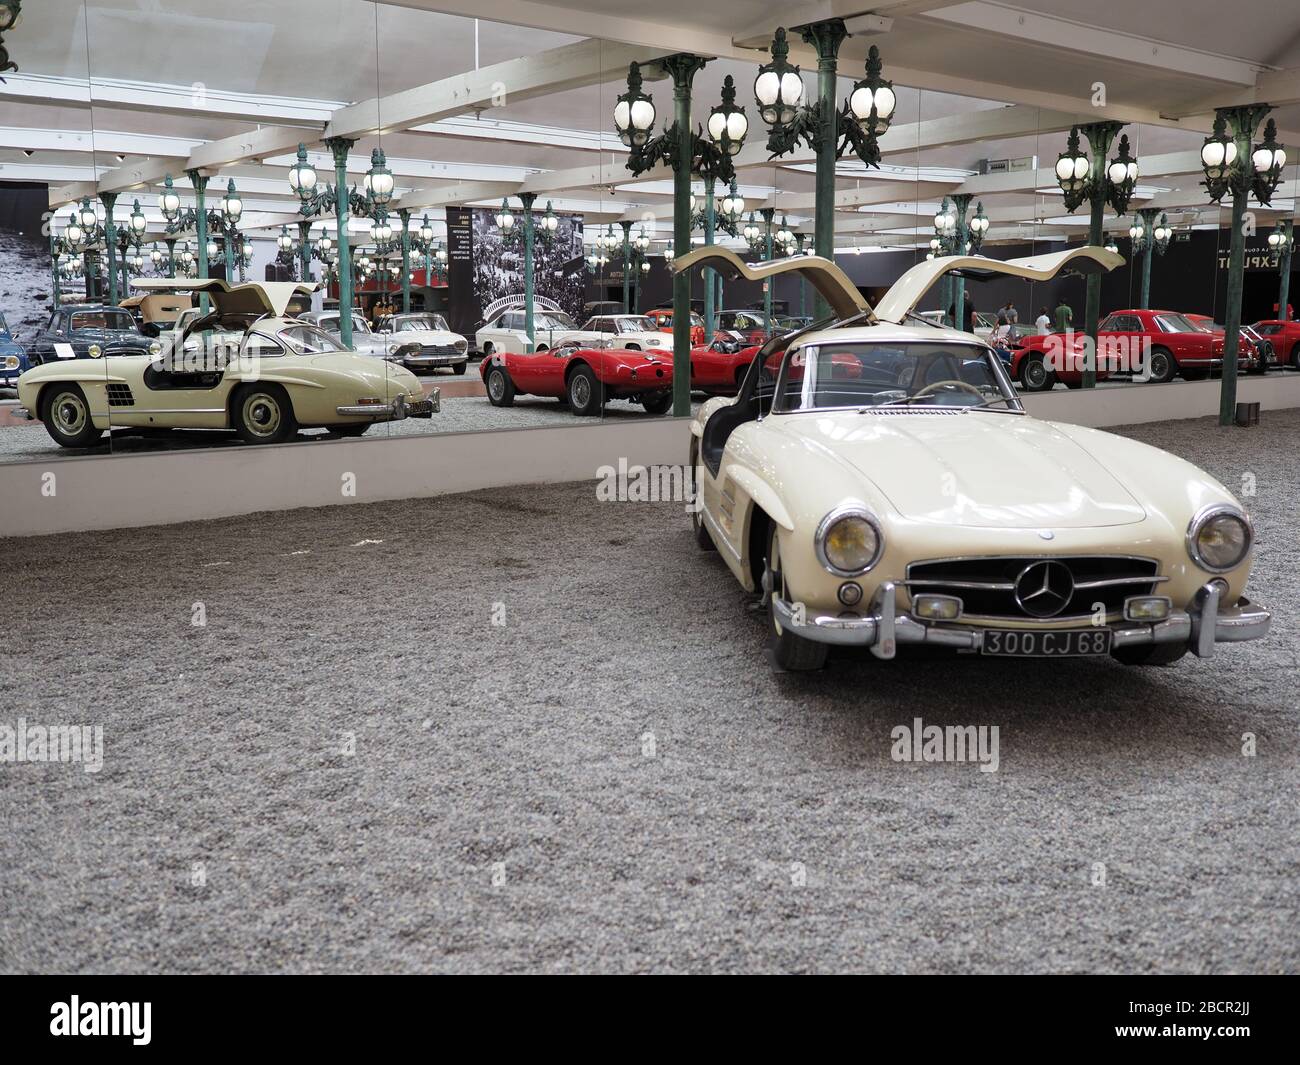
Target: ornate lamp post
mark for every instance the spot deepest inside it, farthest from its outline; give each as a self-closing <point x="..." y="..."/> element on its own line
<point x="339" y="198"/>
<point x="1231" y="166"/>
<point x="1280" y="243"/>
<point x="505" y="221"/>
<point x="866" y="114"/>
<point x="684" y="153"/>
<point x="955" y="234"/>
<point x="1088" y="181"/>
<point x="1150" y="237"/>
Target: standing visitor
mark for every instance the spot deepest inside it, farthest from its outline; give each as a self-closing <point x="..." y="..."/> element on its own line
<point x="1064" y="317"/>
<point x="1043" y="322"/>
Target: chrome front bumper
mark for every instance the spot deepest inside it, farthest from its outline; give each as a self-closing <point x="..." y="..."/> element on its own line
<point x="399" y="409"/>
<point x="883" y="628"/>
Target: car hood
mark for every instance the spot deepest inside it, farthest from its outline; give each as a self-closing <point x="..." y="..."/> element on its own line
<point x="423" y="336"/>
<point x="977" y="470"/>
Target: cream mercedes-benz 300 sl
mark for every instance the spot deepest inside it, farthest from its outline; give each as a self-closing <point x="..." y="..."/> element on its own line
<point x="878" y="481"/>
<point x="254" y="371"/>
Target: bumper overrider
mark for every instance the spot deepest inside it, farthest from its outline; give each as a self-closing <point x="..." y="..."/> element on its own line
<point x="396" y="411"/>
<point x="882" y="628"/>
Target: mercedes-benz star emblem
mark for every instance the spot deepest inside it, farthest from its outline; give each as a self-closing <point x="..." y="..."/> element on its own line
<point x="1044" y="588"/>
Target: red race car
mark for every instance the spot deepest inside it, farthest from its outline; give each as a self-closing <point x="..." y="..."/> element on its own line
<point x="1161" y="343"/>
<point x="1038" y="362"/>
<point x="663" y="320"/>
<point x="720" y="366"/>
<point x="1285" y="338"/>
<point x="584" y="377"/>
<point x="1265" y="350"/>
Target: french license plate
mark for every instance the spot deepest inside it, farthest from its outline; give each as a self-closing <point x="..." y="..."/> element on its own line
<point x="1065" y="643"/>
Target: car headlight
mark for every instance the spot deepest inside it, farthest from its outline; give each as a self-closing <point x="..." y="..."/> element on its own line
<point x="94" y="351"/>
<point x="155" y="348"/>
<point x="10" y="362"/>
<point x="1219" y="538"/>
<point x="392" y="349"/>
<point x="654" y="343"/>
<point x="849" y="541"/>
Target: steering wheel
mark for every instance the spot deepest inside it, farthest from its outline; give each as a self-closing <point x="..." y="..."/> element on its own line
<point x="940" y="384"/>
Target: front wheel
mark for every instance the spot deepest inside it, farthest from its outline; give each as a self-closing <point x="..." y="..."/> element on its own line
<point x="1034" y="374"/>
<point x="1162" y="366"/>
<point x="791" y="652"/>
<point x="66" y="416"/>
<point x="459" y="368"/>
<point x="586" y="393"/>
<point x="1152" y="654"/>
<point x="658" y="404"/>
<point x="500" y="389"/>
<point x="262" y="414"/>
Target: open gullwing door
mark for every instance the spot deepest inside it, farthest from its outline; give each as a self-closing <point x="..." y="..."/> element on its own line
<point x="908" y="290"/>
<point x="828" y="279"/>
<point x="254" y="297"/>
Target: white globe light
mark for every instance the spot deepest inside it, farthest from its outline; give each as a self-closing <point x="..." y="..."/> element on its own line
<point x="1081" y="167"/>
<point x="1212" y="154"/>
<point x="791" y="89"/>
<point x="622" y="114"/>
<point x="1133" y="171"/>
<point x="737" y="126"/>
<point x="1064" y="168"/>
<point x="717" y="125"/>
<point x="1262" y="159"/>
<point x="886" y="101"/>
<point x="643" y="114"/>
<point x="1230" y="153"/>
<point x="767" y="86"/>
<point x="1117" y="172"/>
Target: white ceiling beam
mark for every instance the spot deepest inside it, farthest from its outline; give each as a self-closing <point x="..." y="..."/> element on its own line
<point x="1277" y="87"/>
<point x="461" y="193"/>
<point x="1011" y="24"/>
<point x="571" y="66"/>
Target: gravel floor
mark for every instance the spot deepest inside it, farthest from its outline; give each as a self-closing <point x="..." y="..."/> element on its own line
<point x="350" y="767"/>
<point x="457" y="416"/>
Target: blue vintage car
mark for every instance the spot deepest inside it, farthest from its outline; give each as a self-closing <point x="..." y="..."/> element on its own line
<point x="89" y="331"/>
<point x="13" y="357"/>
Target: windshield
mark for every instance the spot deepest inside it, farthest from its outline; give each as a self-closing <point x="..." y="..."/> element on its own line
<point x="308" y="340"/>
<point x="1176" y="323"/>
<point x="108" y="318"/>
<point x="331" y="323"/>
<point x="904" y="374"/>
<point x="553" y="320"/>
<point x="635" y="324"/>
<point x="420" y="321"/>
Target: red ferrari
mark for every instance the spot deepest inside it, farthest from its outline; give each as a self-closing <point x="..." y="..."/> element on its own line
<point x="1163" y="343"/>
<point x="585" y="378"/>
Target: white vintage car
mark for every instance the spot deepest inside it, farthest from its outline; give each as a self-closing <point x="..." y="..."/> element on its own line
<point x="635" y="332"/>
<point x="436" y="347"/>
<point x="879" y="483"/>
<point x="503" y="326"/>
<point x="277" y="375"/>
<point x="364" y="340"/>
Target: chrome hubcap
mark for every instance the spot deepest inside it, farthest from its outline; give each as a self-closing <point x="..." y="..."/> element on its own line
<point x="1035" y="373"/>
<point x="262" y="414"/>
<point x="1159" y="365"/>
<point x="496" y="384"/>
<point x="69" y="414"/>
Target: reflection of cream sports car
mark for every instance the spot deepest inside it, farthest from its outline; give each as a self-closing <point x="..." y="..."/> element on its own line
<point x="879" y="482"/>
<point x="279" y="375"/>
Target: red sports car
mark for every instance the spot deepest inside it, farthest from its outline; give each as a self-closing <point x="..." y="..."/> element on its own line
<point x="663" y="320"/>
<point x="585" y="378"/>
<point x="1038" y="362"/>
<point x="720" y="366"/>
<point x="1163" y="343"/>
<point x="1285" y="338"/>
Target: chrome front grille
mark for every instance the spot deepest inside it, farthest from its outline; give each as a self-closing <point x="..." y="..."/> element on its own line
<point x="439" y="349"/>
<point x="991" y="586"/>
